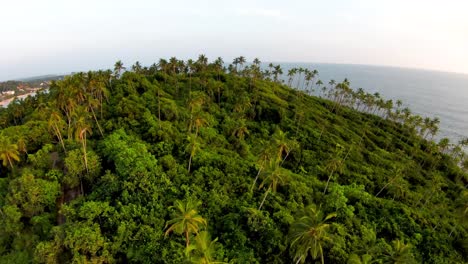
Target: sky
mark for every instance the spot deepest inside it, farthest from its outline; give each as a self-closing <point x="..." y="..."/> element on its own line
<point x="61" y="36"/>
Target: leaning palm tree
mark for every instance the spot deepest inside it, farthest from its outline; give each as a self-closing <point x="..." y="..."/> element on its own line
<point x="8" y="152"/>
<point x="335" y="164"/>
<point x="281" y="142"/>
<point x="274" y="176"/>
<point x="309" y="233"/>
<point x="262" y="161"/>
<point x="57" y="124"/>
<point x="186" y="220"/>
<point x="192" y="148"/>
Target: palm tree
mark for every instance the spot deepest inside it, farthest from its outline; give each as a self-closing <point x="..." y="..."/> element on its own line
<point x="264" y="158"/>
<point x="309" y="233"/>
<point x="56" y="124"/>
<point x="192" y="147"/>
<point x="137" y="67"/>
<point x="204" y="249"/>
<point x="186" y="220"/>
<point x="335" y="164"/>
<point x="199" y="122"/>
<point x="22" y="145"/>
<point x="82" y="129"/>
<point x="241" y="61"/>
<point x="94" y="103"/>
<point x="241" y="130"/>
<point x="282" y="144"/>
<point x="364" y="259"/>
<point x="277" y="72"/>
<point x="400" y="253"/>
<point x="397" y="173"/>
<point x="118" y="68"/>
<point x="274" y="176"/>
<point x="8" y="152"/>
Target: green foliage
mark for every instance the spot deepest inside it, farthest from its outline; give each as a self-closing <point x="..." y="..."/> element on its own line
<point x="146" y="166"/>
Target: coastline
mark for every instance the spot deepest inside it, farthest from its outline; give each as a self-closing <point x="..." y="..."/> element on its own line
<point x="6" y="102"/>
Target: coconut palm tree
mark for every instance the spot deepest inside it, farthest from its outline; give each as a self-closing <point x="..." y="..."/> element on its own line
<point x="262" y="161"/>
<point x="282" y="144"/>
<point x="397" y="173"/>
<point x="8" y="152"/>
<point x="137" y="67"/>
<point x="308" y="234"/>
<point x="274" y="176"/>
<point x="241" y="61"/>
<point x="400" y="253"/>
<point x="241" y="130"/>
<point x="192" y="148"/>
<point x="204" y="249"/>
<point x="186" y="220"/>
<point x="335" y="164"/>
<point x="199" y="122"/>
<point x="56" y="123"/>
<point x="364" y="259"/>
<point x="277" y="72"/>
<point x="82" y="129"/>
<point x="118" y="68"/>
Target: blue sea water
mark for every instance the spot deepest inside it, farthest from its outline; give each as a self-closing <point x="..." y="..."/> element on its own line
<point x="427" y="93"/>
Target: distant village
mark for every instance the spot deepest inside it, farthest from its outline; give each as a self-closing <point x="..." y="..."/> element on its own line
<point x="16" y="89"/>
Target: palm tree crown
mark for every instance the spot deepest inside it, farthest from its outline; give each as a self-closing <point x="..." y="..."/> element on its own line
<point x="308" y="234"/>
<point x="186" y="220"/>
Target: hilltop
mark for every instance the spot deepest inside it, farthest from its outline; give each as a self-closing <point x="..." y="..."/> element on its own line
<point x="198" y="162"/>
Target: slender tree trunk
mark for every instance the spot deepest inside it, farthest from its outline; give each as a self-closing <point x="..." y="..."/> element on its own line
<point x="451" y="231"/>
<point x="388" y="183"/>
<point x="321" y="132"/>
<point x="190" y="162"/>
<point x="187" y="239"/>
<point x="9" y="161"/>
<point x="59" y="135"/>
<point x="97" y="123"/>
<point x="299" y="260"/>
<point x="190" y="86"/>
<point x="264" y="197"/>
<point x="328" y="181"/>
<point x="255" y="180"/>
<point x="159" y="108"/>
<point x="81" y="186"/>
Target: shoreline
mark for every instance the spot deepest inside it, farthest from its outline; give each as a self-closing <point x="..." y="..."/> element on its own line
<point x="6" y="102"/>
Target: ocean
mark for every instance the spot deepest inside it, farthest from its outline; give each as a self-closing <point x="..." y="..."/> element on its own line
<point x="427" y="93"/>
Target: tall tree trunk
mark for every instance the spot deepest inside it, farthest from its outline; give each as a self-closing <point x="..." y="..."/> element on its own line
<point x="264" y="197"/>
<point x="386" y="185"/>
<point x="97" y="122"/>
<point x="190" y="162"/>
<point x="159" y="108"/>
<point x="328" y="181"/>
<point x="255" y="180"/>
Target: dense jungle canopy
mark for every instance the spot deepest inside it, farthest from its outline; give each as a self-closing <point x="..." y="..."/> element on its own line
<point x="203" y="162"/>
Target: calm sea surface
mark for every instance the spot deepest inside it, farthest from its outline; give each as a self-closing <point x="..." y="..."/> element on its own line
<point x="427" y="93"/>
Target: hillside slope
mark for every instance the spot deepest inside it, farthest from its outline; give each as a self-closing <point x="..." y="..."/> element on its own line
<point x="188" y="162"/>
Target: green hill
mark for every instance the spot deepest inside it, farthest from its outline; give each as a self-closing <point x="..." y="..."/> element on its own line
<point x="192" y="162"/>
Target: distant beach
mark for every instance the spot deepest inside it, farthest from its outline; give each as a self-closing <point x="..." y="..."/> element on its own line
<point x="6" y="102"/>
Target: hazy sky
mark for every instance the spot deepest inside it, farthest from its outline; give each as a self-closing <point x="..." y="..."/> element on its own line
<point x="57" y="36"/>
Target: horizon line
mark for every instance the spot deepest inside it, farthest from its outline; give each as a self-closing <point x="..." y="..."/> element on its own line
<point x="272" y="61"/>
